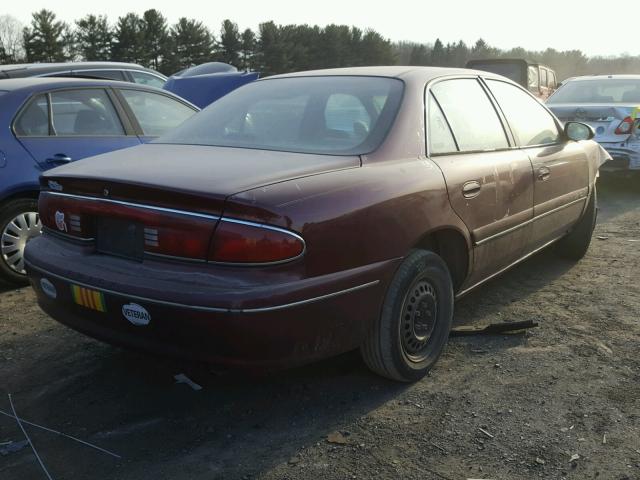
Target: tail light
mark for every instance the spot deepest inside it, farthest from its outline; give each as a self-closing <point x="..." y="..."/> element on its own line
<point x="247" y="243"/>
<point x="625" y="127"/>
<point x="168" y="232"/>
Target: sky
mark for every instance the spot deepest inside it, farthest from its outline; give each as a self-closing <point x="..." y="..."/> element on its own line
<point x="563" y="25"/>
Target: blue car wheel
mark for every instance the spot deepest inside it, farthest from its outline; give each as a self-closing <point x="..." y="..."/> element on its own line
<point x="19" y="223"/>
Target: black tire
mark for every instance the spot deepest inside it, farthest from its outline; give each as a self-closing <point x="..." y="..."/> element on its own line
<point x="575" y="244"/>
<point x="398" y="347"/>
<point x="8" y="212"/>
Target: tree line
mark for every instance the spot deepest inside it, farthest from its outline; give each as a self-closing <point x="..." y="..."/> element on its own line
<point x="150" y="40"/>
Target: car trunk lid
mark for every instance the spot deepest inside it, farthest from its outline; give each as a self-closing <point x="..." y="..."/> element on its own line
<point x="194" y="178"/>
<point x="604" y="119"/>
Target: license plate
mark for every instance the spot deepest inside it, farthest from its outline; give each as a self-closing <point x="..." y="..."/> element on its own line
<point x="88" y="298"/>
<point x="121" y="238"/>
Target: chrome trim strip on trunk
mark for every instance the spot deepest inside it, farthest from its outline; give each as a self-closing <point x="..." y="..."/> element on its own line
<point x="203" y="308"/>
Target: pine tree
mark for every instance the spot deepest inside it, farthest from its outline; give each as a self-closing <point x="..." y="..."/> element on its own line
<point x="247" y="49"/>
<point x="230" y="43"/>
<point x="44" y="40"/>
<point x="192" y="44"/>
<point x="94" y="38"/>
<point x="155" y="38"/>
<point x="128" y="45"/>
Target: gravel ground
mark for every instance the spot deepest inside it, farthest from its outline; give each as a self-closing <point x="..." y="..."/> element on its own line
<point x="559" y="401"/>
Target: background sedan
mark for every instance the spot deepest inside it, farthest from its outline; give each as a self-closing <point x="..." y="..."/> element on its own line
<point x="610" y="104"/>
<point x="50" y="122"/>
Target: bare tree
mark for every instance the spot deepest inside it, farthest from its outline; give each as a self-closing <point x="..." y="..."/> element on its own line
<point x="11" y="38"/>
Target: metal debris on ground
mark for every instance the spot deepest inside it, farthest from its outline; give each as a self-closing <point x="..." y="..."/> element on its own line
<point x="26" y="422"/>
<point x="506" y="327"/>
<point x="182" y="378"/>
<point x="35" y="452"/>
<point x="486" y="433"/>
<point x="12" y="447"/>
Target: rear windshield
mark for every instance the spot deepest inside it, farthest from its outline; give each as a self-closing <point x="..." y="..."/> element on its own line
<point x="512" y="71"/>
<point x="340" y="115"/>
<point x="598" y="91"/>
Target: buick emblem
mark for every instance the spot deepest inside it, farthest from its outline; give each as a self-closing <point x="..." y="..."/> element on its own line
<point x="60" y="223"/>
<point x="581" y="113"/>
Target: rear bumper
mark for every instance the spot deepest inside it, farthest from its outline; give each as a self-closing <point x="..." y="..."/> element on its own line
<point x="214" y="316"/>
<point x="623" y="157"/>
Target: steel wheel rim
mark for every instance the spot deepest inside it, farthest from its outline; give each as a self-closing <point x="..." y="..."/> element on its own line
<point x="418" y="319"/>
<point x="15" y="235"/>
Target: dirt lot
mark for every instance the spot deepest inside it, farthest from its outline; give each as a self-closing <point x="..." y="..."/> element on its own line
<point x="570" y="388"/>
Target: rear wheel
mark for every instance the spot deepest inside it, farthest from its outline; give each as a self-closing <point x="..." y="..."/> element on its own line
<point x="575" y="244"/>
<point x="19" y="223"/>
<point x="413" y="328"/>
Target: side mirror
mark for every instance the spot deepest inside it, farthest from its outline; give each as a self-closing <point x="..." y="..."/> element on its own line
<point x="577" y="131"/>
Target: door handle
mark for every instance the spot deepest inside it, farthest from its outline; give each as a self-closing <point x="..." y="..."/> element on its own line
<point x="543" y="173"/>
<point x="59" y="158"/>
<point x="471" y="189"/>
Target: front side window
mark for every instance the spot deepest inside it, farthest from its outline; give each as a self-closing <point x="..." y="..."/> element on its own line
<point x="473" y="120"/>
<point x="86" y="112"/>
<point x="335" y="115"/>
<point x="156" y="113"/>
<point x="530" y="122"/>
<point x="440" y="137"/>
<point x="34" y="120"/>
<point x="144" y="78"/>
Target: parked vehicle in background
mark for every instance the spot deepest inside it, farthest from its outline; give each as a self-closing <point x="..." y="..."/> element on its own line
<point x="538" y="79"/>
<point x="610" y="104"/>
<point x="127" y="72"/>
<point x="309" y="214"/>
<point x="49" y="122"/>
<point x="205" y="83"/>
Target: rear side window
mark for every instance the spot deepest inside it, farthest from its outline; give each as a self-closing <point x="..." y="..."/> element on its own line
<point x="106" y="74"/>
<point x="34" y="120"/>
<point x="87" y="112"/>
<point x="530" y="122"/>
<point x="474" y="121"/>
<point x="156" y="113"/>
<point x="440" y="137"/>
<point x="339" y="115"/>
<point x="147" y="79"/>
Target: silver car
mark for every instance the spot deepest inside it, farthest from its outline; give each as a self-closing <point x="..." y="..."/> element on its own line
<point x="611" y="105"/>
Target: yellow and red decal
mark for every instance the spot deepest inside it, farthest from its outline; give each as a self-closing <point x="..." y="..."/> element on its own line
<point x="88" y="298"/>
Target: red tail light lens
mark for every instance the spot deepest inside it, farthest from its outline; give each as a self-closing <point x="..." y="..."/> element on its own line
<point x="240" y="242"/>
<point x="625" y="126"/>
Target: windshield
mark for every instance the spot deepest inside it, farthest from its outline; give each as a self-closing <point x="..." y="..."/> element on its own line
<point x="605" y="90"/>
<point x="339" y="115"/>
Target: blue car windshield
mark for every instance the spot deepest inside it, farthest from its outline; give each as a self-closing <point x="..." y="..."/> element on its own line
<point x="337" y="115"/>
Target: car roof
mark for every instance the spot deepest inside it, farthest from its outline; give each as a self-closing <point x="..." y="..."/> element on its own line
<point x="70" y="66"/>
<point x="602" y="77"/>
<point x="402" y="72"/>
<point x="39" y="83"/>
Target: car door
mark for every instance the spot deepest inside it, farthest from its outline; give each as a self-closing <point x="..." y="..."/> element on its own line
<point x="154" y="113"/>
<point x="490" y="183"/>
<point x="66" y="125"/>
<point x="560" y="166"/>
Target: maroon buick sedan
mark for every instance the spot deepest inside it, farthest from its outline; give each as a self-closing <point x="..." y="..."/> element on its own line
<point x="310" y="214"/>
